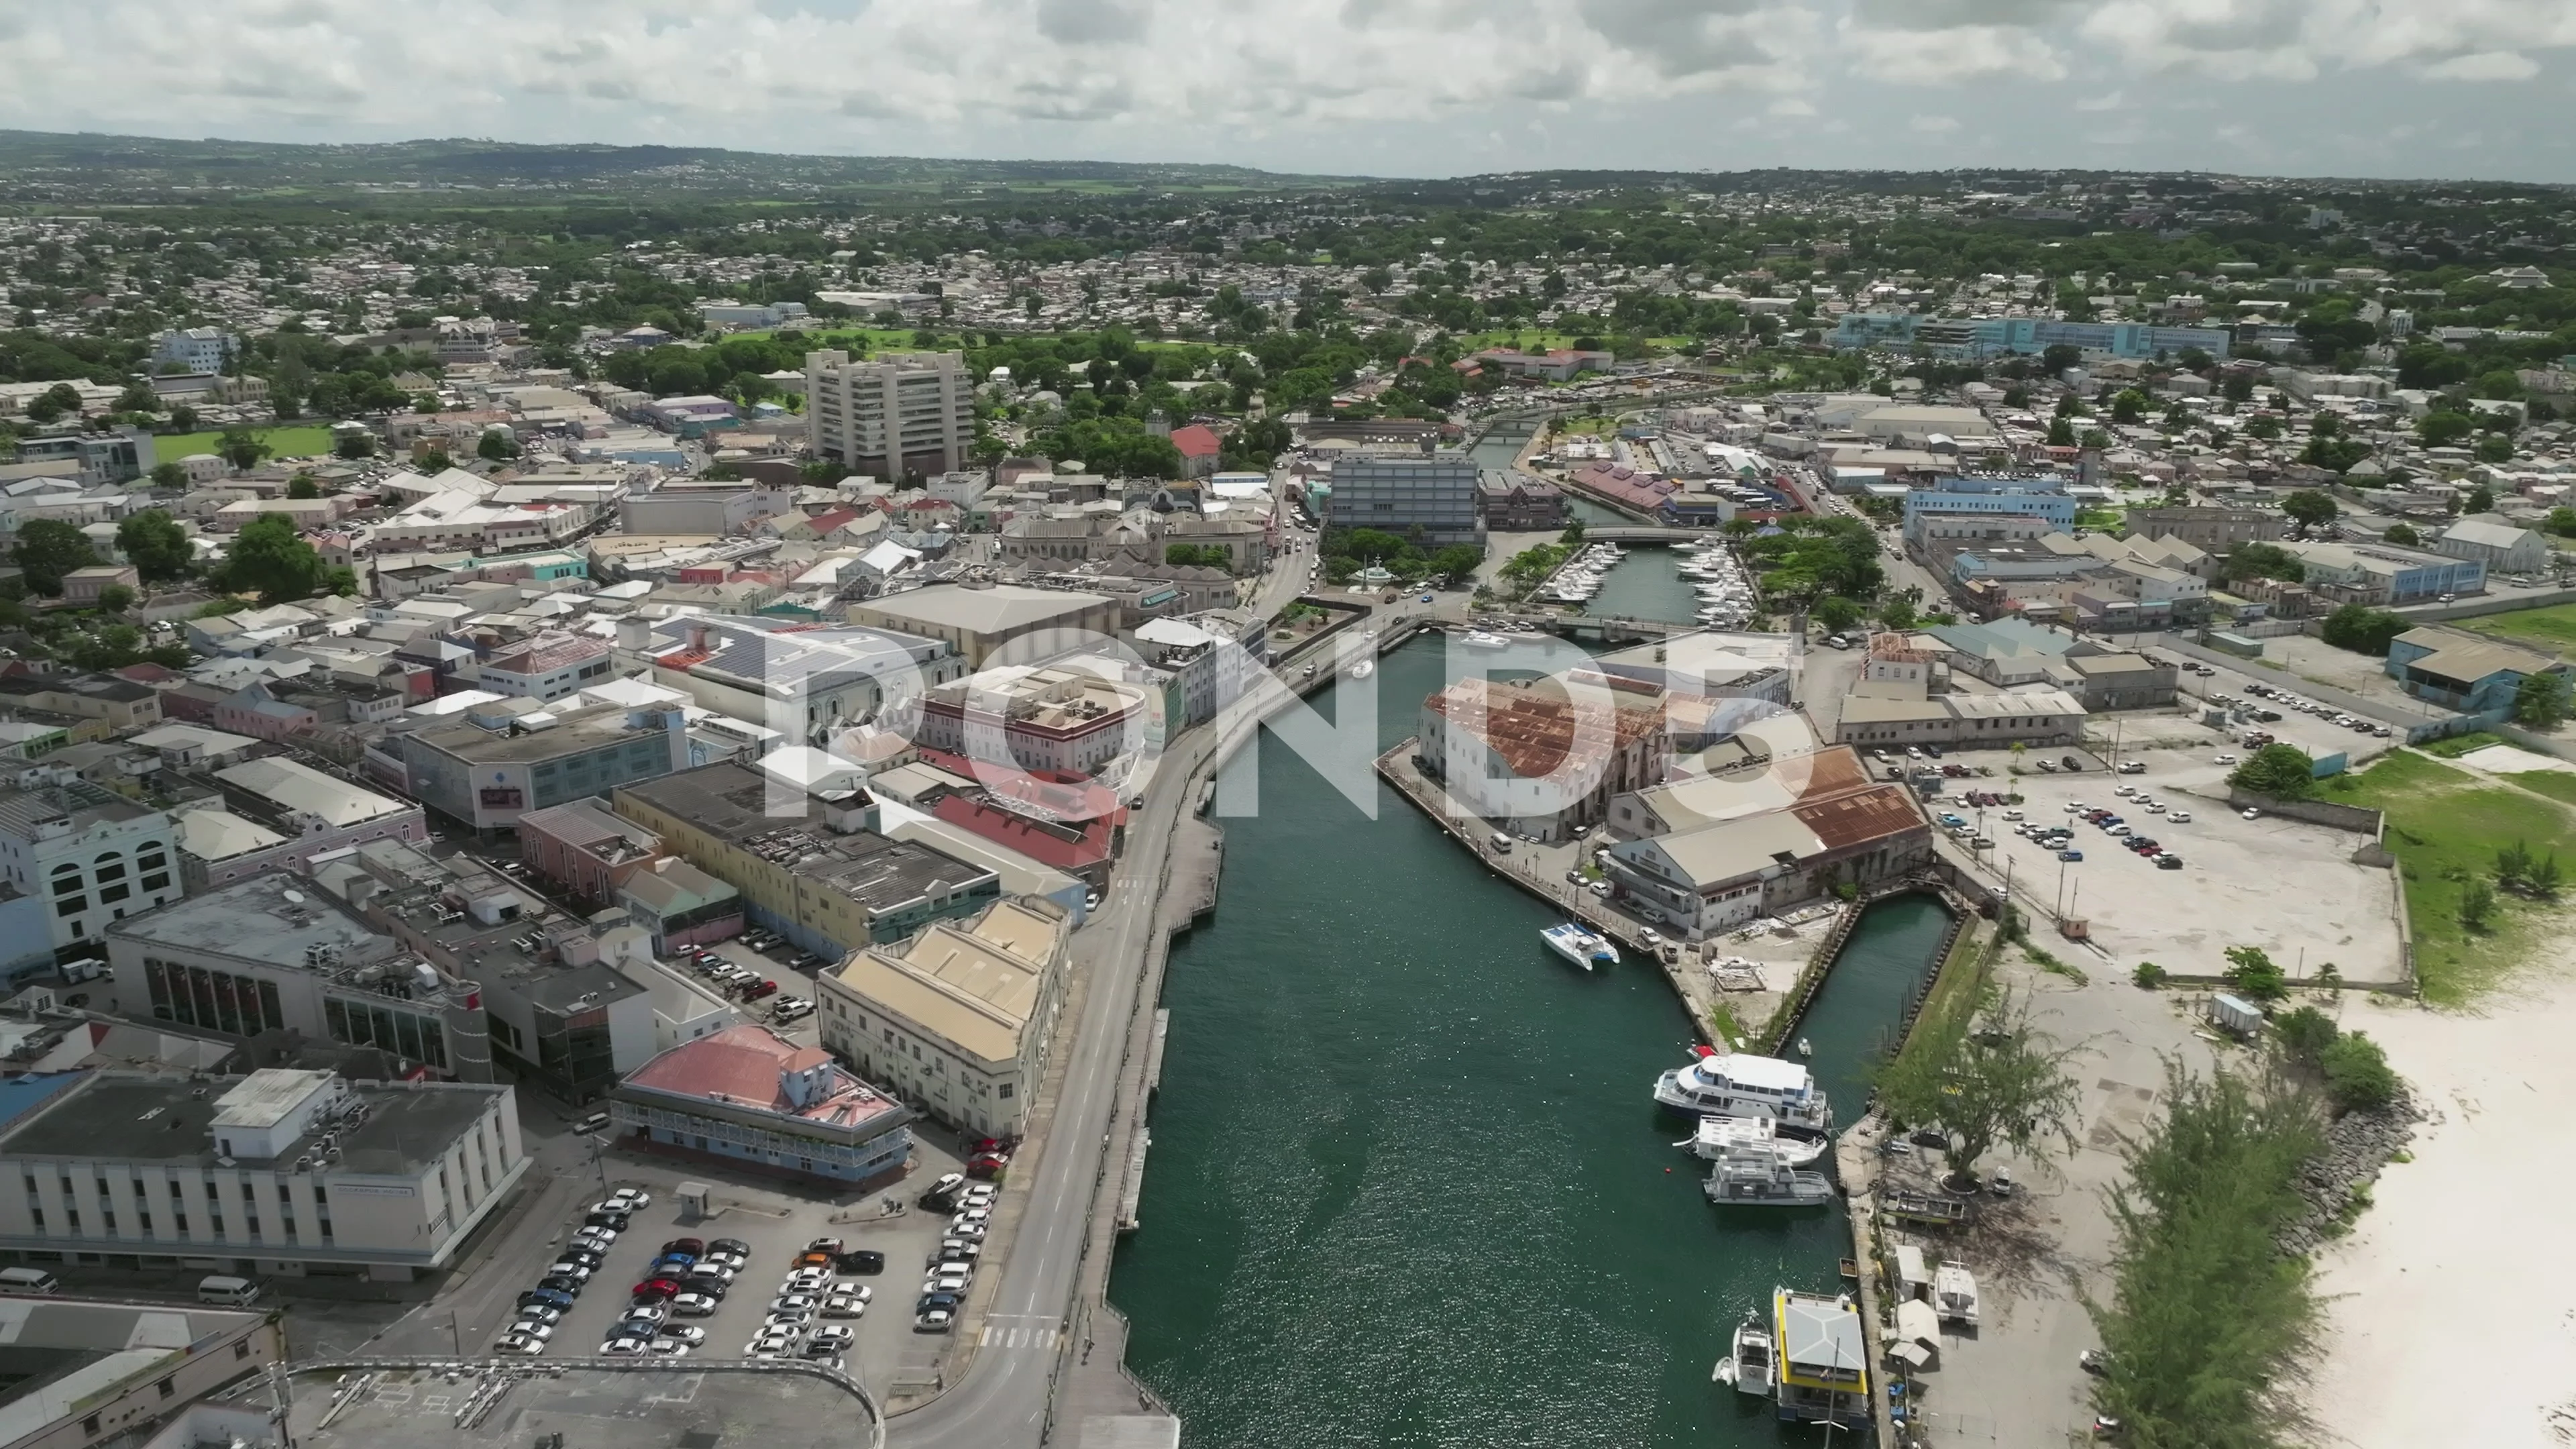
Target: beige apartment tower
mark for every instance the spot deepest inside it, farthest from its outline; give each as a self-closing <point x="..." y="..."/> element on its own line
<point x="906" y="414"/>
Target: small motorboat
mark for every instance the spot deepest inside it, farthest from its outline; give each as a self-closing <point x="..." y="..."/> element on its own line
<point x="1806" y="1048"/>
<point x="1364" y="669"/>
<point x="1484" y="639"/>
<point x="1581" y="945"/>
<point x="1747" y="1364"/>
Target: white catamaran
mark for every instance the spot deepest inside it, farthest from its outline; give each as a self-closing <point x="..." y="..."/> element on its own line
<point x="1582" y="946"/>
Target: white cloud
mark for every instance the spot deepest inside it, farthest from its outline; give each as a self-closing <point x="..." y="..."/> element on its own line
<point x="1414" y="85"/>
<point x="2485" y="65"/>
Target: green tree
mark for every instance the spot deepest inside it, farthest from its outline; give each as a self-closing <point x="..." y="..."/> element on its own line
<point x="436" y="461"/>
<point x="2561" y="521"/>
<point x="2402" y="533"/>
<point x="2061" y="433"/>
<point x="2443" y="429"/>
<point x="2129" y="407"/>
<point x="302" y="485"/>
<point x="2250" y="969"/>
<point x="156" y="545"/>
<point x="1573" y="535"/>
<point x="355" y="447"/>
<point x="47" y="549"/>
<point x="2362" y="629"/>
<point x="2540" y="701"/>
<point x="2261" y="561"/>
<point x="2310" y="507"/>
<point x="269" y="558"/>
<point x="495" y="447"/>
<point x="2479" y="499"/>
<point x="2304" y="1033"/>
<point x="1836" y="613"/>
<point x="1985" y="1079"/>
<point x="169" y="475"/>
<point x="2283" y="772"/>
<point x="2207" y="1316"/>
<point x="2494" y="448"/>
<point x="241" y="448"/>
<point x="116" y="598"/>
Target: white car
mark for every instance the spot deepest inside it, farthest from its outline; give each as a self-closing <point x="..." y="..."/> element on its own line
<point x="937" y="1320"/>
<point x="2253" y="814"/>
<point x="801" y="1304"/>
<point x="684" y="1333"/>
<point x="629" y="1199"/>
<point x="696" y="1305"/>
<point x="2074" y="807"/>
<point x="769" y="1345"/>
<point x="2226" y="759"/>
<point x="667" y="1348"/>
<point x="843" y="1305"/>
<point x="518" y="1343"/>
<point x="536" y="1328"/>
<point x="622" y="1347"/>
<point x="2012" y="815"/>
<point x="832" y="1339"/>
<point x="577" y="1272"/>
<point x="2178" y="817"/>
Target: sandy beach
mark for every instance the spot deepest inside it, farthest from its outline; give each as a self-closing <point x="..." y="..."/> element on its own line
<point x="2451" y="1314"/>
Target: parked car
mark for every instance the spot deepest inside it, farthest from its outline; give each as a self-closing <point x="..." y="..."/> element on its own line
<point x="517" y="1343"/>
<point x="656" y="1290"/>
<point x="696" y="1303"/>
<point x="557" y="1300"/>
<point x="936" y="1320"/>
<point x="2070" y="855"/>
<point x="759" y="988"/>
<point x="561" y="1283"/>
<point x="628" y="1200"/>
<point x="595" y="1122"/>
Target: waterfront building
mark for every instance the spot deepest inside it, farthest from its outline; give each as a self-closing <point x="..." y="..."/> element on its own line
<point x="1993" y="497"/>
<point x="1436" y="492"/>
<point x="1054" y="718"/>
<point x="958" y="1018"/>
<point x="281" y="1172"/>
<point x="1711" y="852"/>
<point x="906" y="414"/>
<point x="748" y="1097"/>
<point x="1537" y="758"/>
<point x="2381" y="575"/>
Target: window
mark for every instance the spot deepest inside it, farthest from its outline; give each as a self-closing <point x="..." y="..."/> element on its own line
<point x="166" y="1388"/>
<point x="71" y="906"/>
<point x="90" y="1424"/>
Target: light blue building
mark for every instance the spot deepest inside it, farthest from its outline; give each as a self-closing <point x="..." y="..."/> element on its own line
<point x="1974" y="339"/>
<point x="2038" y="497"/>
<point x="2465" y="672"/>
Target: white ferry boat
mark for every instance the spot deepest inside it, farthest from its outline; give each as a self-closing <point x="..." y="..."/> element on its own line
<point x="1481" y="639"/>
<point x="1585" y="948"/>
<point x="1739" y="1084"/>
<point x="1719" y="1136"/>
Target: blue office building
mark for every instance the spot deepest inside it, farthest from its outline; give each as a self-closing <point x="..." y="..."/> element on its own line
<point x="1975" y="339"/>
<point x="2039" y="496"/>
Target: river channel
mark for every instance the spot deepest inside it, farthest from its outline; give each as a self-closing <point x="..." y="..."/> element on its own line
<point x="1407" y="1186"/>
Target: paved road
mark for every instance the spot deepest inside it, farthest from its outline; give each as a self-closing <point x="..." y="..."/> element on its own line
<point x="1002" y="1402"/>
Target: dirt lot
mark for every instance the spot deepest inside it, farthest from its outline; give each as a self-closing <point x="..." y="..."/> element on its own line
<point x="2284" y="885"/>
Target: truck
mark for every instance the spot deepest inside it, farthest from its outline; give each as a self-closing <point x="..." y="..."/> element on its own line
<point x="2231" y="1014"/>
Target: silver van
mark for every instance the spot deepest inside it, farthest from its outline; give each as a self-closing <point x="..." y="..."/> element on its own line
<point x="28" y="1280"/>
<point x="227" y="1292"/>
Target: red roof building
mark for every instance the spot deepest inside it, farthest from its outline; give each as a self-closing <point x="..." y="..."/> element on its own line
<point x="747" y="1096"/>
<point x="1199" y="447"/>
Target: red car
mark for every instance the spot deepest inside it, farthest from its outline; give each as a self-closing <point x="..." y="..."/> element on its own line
<point x="759" y="989"/>
<point x="984" y="1167"/>
<point x="656" y="1290"/>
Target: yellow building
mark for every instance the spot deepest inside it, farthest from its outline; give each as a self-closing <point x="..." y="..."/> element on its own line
<point x="957" y="1019"/>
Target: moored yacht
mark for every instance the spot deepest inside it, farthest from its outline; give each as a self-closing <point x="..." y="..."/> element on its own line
<point x="1584" y="947"/>
<point x="1719" y="1136"/>
<point x="1747" y="1364"/>
<point x="1739" y="1084"/>
<point x="1480" y="639"/>
<point x="1761" y="1179"/>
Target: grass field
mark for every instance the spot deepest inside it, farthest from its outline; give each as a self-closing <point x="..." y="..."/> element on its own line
<point x="2454" y="746"/>
<point x="2552" y="628"/>
<point x="290" y="442"/>
<point x="2556" y="784"/>
<point x="2444" y="826"/>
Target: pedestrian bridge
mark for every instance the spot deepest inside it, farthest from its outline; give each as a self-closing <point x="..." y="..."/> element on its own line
<point x="1642" y="533"/>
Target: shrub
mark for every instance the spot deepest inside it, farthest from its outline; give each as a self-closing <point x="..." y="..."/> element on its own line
<point x="2305" y="1033"/>
<point x="2283" y="772"/>
<point x="2251" y="971"/>
<point x="2357" y="1073"/>
<point x="2148" y="975"/>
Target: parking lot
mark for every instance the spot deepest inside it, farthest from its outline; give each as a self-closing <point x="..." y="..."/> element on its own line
<point x="772" y="1224"/>
<point x="2284" y="885"/>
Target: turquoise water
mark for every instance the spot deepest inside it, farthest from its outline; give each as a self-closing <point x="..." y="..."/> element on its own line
<point x="1407" y="1185"/>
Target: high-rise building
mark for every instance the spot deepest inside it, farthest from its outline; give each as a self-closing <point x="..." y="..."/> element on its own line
<point x="907" y="413"/>
<point x="1399" y="492"/>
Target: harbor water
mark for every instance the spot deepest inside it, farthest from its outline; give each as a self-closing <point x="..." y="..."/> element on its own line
<point x="1408" y="1187"/>
<point x="1646" y="584"/>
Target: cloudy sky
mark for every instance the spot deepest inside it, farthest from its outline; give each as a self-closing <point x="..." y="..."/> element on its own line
<point x="2411" y="88"/>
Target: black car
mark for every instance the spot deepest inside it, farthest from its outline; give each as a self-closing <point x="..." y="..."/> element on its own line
<point x="546" y="1297"/>
<point x="730" y="1245"/>
<point x="860" y="1262"/>
<point x="929" y="1301"/>
<point x="2168" y="862"/>
<point x="570" y="1287"/>
<point x="587" y="1257"/>
<point x="615" y="1222"/>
